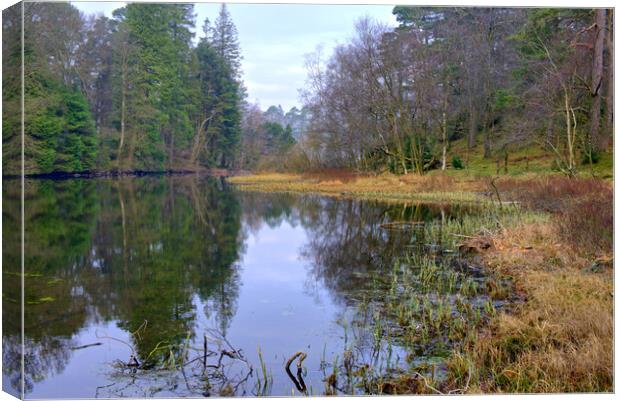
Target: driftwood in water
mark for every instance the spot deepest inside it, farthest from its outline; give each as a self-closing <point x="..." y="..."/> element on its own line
<point x="299" y="381"/>
<point x="85" y="346"/>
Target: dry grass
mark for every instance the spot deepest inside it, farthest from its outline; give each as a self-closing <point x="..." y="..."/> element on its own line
<point x="583" y="207"/>
<point x="552" y="193"/>
<point x="561" y="338"/>
<point x="412" y="187"/>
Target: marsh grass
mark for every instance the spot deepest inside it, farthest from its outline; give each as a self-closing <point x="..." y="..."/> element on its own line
<point x="429" y="304"/>
<point x="537" y="318"/>
<point x="264" y="381"/>
<point x="561" y="338"/>
<point x="386" y="187"/>
<point x="583" y="208"/>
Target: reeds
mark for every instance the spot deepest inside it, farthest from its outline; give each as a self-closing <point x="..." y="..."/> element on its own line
<point x="427" y="306"/>
<point x="538" y="320"/>
<point x="264" y="381"/>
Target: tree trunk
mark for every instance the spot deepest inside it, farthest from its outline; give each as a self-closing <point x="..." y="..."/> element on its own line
<point x="487" y="141"/>
<point x="571" y="126"/>
<point x="132" y="148"/>
<point x="199" y="141"/>
<point x="171" y="162"/>
<point x="445" y="144"/>
<point x="124" y="64"/>
<point x="122" y="139"/>
<point x="597" y="77"/>
<point x="444" y="135"/>
<point x="487" y="145"/>
<point x="473" y="123"/>
<point x="609" y="99"/>
<point x="444" y="130"/>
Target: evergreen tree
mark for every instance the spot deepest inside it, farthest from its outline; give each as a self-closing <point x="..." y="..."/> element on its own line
<point x="178" y="101"/>
<point x="219" y="123"/>
<point x="11" y="89"/>
<point x="58" y="126"/>
<point x="159" y="106"/>
<point x="225" y="42"/>
<point x="131" y="92"/>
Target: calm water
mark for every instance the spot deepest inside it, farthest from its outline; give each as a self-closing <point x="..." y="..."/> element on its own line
<point x="148" y="266"/>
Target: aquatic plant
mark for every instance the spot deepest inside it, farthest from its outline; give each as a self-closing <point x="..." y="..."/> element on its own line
<point x="424" y="308"/>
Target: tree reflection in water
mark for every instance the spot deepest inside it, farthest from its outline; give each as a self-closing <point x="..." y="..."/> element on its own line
<point x="370" y="256"/>
<point x="351" y="241"/>
<point x="167" y="251"/>
<point x="124" y="250"/>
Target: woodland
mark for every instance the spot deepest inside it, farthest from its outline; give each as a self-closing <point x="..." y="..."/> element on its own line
<point x="140" y="92"/>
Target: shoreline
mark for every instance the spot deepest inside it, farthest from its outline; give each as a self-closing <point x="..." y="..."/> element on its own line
<point x="560" y="339"/>
<point x="559" y="336"/>
<point x="61" y="175"/>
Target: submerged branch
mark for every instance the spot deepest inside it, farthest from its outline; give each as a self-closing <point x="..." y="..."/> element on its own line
<point x="299" y="381"/>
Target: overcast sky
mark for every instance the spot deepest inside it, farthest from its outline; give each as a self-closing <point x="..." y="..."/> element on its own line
<point x="274" y="39"/>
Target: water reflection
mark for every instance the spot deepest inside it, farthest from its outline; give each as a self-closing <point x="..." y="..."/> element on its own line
<point x="11" y="291"/>
<point x="126" y="250"/>
<point x="169" y="251"/>
<point x="351" y="241"/>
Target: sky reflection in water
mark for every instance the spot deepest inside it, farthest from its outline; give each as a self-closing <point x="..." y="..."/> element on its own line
<point x="277" y="271"/>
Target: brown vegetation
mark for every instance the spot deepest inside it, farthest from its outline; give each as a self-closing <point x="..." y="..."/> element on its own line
<point x="387" y="186"/>
<point x="560" y="338"/>
<point x="583" y="208"/>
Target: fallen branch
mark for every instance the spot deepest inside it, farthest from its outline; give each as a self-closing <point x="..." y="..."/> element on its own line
<point x="86" y="346"/>
<point x="428" y="385"/>
<point x="299" y="382"/>
<point x="492" y="184"/>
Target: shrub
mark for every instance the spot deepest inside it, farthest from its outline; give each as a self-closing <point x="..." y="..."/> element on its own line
<point x="588" y="224"/>
<point x="584" y="208"/>
<point x="457" y="163"/>
<point x="585" y="157"/>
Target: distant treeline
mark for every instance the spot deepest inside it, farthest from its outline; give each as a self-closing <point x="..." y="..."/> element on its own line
<point x="503" y="77"/>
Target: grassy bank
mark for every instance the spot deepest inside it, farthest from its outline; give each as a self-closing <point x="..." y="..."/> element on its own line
<point x="559" y="338"/>
<point x="385" y="187"/>
<point x="530" y="159"/>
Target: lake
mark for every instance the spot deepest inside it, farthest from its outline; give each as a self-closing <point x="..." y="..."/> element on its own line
<point x="127" y="280"/>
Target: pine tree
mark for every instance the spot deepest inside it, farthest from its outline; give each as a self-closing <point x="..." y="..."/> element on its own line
<point x="225" y="42"/>
<point x="58" y="125"/>
<point x="158" y="92"/>
<point x="218" y="132"/>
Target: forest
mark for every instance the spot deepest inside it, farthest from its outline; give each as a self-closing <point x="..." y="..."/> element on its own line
<point x="505" y="78"/>
<point x="128" y="93"/>
<point x="137" y="92"/>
